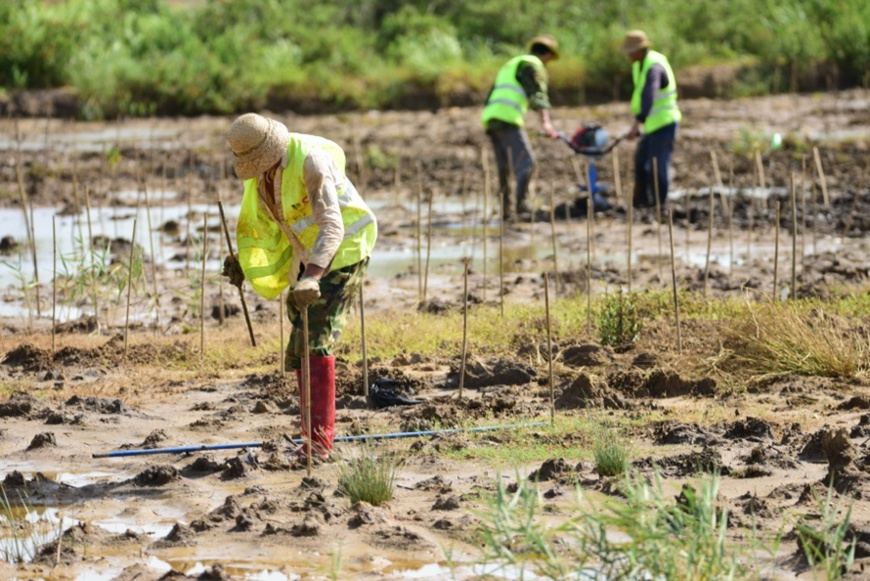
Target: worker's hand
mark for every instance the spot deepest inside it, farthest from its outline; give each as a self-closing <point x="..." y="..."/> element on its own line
<point x="634" y="131"/>
<point x="306" y="291"/>
<point x="233" y="270"/>
<point x="549" y="131"/>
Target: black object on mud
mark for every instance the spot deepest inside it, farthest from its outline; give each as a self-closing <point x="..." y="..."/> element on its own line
<point x="384" y="392"/>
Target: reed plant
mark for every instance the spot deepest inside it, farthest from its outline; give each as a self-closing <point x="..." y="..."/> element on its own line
<point x="369" y="476"/>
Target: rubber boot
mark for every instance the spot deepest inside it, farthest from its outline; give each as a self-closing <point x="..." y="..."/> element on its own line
<point x="322" y="405"/>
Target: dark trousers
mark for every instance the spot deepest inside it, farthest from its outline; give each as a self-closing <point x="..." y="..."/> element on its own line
<point x="658" y="146"/>
<point x="513" y="151"/>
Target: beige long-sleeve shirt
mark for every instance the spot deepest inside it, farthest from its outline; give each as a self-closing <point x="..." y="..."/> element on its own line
<point x="322" y="179"/>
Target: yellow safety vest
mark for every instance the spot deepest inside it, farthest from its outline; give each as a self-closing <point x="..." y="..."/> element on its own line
<point x="664" y="109"/>
<point x="508" y="101"/>
<point x="265" y="252"/>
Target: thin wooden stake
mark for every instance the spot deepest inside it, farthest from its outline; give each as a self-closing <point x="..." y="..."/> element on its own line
<point x="419" y="236"/>
<point x="129" y="287"/>
<point x="28" y="225"/>
<point x="630" y="234"/>
<point x="549" y="349"/>
<point x="617" y="178"/>
<point x="362" y="325"/>
<point x="776" y="253"/>
<point x="501" y="291"/>
<point x="803" y="209"/>
<point x="709" y="242"/>
<point x="464" y="325"/>
<point x="674" y="282"/>
<point x="306" y="392"/>
<point x="54" y="284"/>
<point x="153" y="260"/>
<point x="202" y="285"/>
<point x="658" y="213"/>
<point x="241" y="292"/>
<point x="428" y="247"/>
<point x="793" y="237"/>
<point x="221" y="302"/>
<point x="553" y="233"/>
<point x="281" y="351"/>
<point x="590" y="207"/>
<point x="588" y="267"/>
<point x="822" y="179"/>
<point x="486" y="184"/>
<point x="731" y="204"/>
<point x="94" y="280"/>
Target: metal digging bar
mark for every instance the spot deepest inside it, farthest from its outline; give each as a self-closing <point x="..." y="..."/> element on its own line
<point x="299" y="441"/>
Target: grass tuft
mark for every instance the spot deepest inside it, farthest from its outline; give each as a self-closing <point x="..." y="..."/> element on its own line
<point x="368" y="477"/>
<point x="610" y="452"/>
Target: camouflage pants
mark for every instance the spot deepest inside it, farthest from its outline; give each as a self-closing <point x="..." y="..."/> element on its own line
<point x="327" y="316"/>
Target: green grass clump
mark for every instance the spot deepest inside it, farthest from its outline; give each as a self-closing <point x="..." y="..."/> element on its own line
<point x="368" y="477"/>
<point x="824" y="542"/>
<point x="610" y="452"/>
<point x="777" y="338"/>
<point x="660" y="537"/>
<point x="618" y="322"/>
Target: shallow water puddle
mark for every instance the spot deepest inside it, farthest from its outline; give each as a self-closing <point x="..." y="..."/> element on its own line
<point x="24" y="529"/>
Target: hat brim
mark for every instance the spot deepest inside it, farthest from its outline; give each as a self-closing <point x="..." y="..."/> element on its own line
<point x="255" y="162"/>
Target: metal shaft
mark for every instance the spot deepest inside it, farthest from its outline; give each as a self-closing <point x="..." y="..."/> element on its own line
<point x="241" y="293"/>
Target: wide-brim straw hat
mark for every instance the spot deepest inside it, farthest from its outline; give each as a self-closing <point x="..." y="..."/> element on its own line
<point x="546" y="40"/>
<point x="635" y="40"/>
<point x="258" y="143"/>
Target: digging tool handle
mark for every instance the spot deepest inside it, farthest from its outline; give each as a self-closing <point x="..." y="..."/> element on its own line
<point x="306" y="391"/>
<point x="241" y="292"/>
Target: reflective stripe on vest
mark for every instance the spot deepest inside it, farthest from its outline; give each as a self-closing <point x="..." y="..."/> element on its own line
<point x="664" y="110"/>
<point x="266" y="254"/>
<point x="508" y="101"/>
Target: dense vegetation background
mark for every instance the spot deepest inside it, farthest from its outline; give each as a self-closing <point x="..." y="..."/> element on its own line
<point x="143" y="57"/>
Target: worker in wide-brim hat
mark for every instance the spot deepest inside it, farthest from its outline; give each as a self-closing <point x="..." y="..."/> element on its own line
<point x="302" y="224"/>
<point x="520" y="84"/>
<point x="655" y="110"/>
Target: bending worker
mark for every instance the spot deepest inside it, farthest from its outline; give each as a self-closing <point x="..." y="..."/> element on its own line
<point x="654" y="106"/>
<point x="302" y="223"/>
<point x="521" y="83"/>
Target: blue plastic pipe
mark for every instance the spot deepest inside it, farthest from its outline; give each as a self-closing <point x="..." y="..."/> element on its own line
<point x="299" y="441"/>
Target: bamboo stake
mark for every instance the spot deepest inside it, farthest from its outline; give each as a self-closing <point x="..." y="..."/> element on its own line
<point x="674" y="283"/>
<point x="306" y="392"/>
<point x="281" y="360"/>
<point x="793" y="237"/>
<point x="221" y="302"/>
<point x="803" y="209"/>
<point x="590" y="207"/>
<point x="153" y="260"/>
<point x="486" y="184"/>
<point x="723" y="199"/>
<point x="659" y="260"/>
<point x="419" y="236"/>
<point x="822" y="179"/>
<point x="28" y="225"/>
<point x="54" y="284"/>
<point x="501" y="291"/>
<point x="776" y="253"/>
<point x="129" y="288"/>
<point x="588" y="267"/>
<point x="428" y="247"/>
<point x="731" y="205"/>
<point x="362" y="324"/>
<point x="549" y="349"/>
<point x="189" y="218"/>
<point x="617" y="178"/>
<point x="814" y="211"/>
<point x="241" y="292"/>
<point x="464" y="326"/>
<point x="202" y="285"/>
<point x="553" y="233"/>
<point x="709" y="242"/>
<point x="629" y="232"/>
<point x="93" y="262"/>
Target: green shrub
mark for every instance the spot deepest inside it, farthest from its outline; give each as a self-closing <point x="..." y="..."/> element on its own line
<point x="368" y="477"/>
<point x="618" y="322"/>
<point x="610" y="452"/>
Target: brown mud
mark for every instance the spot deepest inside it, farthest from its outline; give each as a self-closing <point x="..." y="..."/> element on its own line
<point x="776" y="441"/>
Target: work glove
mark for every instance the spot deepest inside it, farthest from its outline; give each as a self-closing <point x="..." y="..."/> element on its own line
<point x="233" y="270"/>
<point x="306" y="291"/>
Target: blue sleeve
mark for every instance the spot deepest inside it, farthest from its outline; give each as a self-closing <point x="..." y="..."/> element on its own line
<point x="656" y="78"/>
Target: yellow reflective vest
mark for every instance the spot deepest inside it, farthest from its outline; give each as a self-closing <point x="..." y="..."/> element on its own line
<point x="265" y="251"/>
<point x="508" y="101"/>
<point x="664" y="109"/>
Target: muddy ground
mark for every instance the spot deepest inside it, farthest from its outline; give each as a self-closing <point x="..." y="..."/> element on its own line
<point x="249" y="513"/>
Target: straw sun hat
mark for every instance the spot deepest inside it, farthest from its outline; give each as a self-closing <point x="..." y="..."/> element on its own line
<point x="257" y="142"/>
<point x="635" y="40"/>
<point x="547" y="41"/>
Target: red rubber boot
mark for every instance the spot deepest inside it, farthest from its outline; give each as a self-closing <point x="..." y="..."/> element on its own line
<point x="322" y="404"/>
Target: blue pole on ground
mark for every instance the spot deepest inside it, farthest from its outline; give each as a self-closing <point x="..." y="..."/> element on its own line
<point x="299" y="441"/>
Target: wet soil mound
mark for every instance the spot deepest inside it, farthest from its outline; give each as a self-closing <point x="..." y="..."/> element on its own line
<point x="486" y="373"/>
<point x="585" y="392"/>
<point x="751" y="429"/>
<point x="19" y="404"/>
<point x="100" y="405"/>
<point x="670" y="433"/>
<point x="28" y="358"/>
<point x="659" y="383"/>
<point x="588" y="355"/>
<point x="706" y="460"/>
<point x="157" y="475"/>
